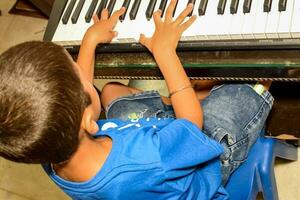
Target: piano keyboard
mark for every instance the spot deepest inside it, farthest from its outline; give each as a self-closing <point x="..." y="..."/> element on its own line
<point x="219" y="23"/>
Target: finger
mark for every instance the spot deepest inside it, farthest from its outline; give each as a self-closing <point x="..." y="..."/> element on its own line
<point x="170" y="10"/>
<point x="115" y="16"/>
<point x="110" y="36"/>
<point x="157" y="18"/>
<point x="188" y="23"/>
<point x="144" y="40"/>
<point x="184" y="14"/>
<point x="104" y="14"/>
<point x="114" y="34"/>
<point x="95" y="19"/>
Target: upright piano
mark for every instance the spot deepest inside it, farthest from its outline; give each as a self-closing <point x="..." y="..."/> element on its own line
<point x="232" y="40"/>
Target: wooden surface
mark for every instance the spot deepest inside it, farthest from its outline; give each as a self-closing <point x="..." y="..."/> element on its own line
<point x="32" y="8"/>
<point x="43" y="5"/>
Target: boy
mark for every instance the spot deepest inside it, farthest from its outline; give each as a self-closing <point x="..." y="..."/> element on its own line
<point x="50" y="116"/>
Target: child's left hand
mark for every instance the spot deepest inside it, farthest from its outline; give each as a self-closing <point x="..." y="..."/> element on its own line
<point x="102" y="29"/>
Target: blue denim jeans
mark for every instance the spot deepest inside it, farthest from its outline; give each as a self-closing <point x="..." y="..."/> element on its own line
<point x="234" y="115"/>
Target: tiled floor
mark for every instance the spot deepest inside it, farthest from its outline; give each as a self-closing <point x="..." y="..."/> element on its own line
<point x="28" y="182"/>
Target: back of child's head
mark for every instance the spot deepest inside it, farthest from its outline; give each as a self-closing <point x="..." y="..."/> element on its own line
<point x="41" y="103"/>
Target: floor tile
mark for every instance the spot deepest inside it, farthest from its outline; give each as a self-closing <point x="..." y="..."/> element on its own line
<point x="29" y="181"/>
<point x="5" y="195"/>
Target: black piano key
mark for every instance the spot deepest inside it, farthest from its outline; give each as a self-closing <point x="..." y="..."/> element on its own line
<point x="150" y="9"/>
<point x="247" y="6"/>
<point x="134" y="9"/>
<point x="193" y="2"/>
<point x="282" y="5"/>
<point x="126" y="4"/>
<point x="175" y="8"/>
<point x="77" y="11"/>
<point x="202" y="7"/>
<point x="68" y="12"/>
<point x="101" y="6"/>
<point x="162" y="7"/>
<point x="234" y="6"/>
<point x="221" y="7"/>
<point x="267" y="5"/>
<point x="111" y="6"/>
<point x="90" y="11"/>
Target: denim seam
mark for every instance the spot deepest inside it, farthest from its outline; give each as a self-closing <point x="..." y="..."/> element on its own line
<point x="239" y="143"/>
<point x="256" y="117"/>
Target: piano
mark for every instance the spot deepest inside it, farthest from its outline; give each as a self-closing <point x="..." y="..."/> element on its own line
<point x="230" y="39"/>
<point x="220" y="23"/>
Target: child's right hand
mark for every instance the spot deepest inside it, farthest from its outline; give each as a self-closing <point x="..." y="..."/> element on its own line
<point x="168" y="32"/>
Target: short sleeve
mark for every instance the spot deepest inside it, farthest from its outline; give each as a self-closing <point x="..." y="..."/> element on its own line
<point x="183" y="148"/>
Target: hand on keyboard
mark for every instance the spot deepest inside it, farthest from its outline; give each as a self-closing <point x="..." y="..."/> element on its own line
<point x="102" y="31"/>
<point x="168" y="31"/>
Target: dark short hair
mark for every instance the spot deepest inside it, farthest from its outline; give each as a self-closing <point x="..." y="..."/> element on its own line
<point x="41" y="103"/>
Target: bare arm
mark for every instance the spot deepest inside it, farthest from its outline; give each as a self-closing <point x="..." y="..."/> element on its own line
<point x="163" y="45"/>
<point x="100" y="32"/>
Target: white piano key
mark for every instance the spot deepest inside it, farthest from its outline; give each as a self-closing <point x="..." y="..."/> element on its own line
<point x="79" y="29"/>
<point x="260" y="21"/>
<point x="123" y="28"/>
<point x="285" y="19"/>
<point x="141" y="24"/>
<point x="208" y="21"/>
<point x="212" y="27"/>
<point x="224" y="22"/>
<point x="134" y="28"/>
<point x="182" y="4"/>
<point x="151" y="27"/>
<point x="273" y="20"/>
<point x="75" y="35"/>
<point x="249" y="20"/>
<point x="129" y="26"/>
<point x="63" y="29"/>
<point x="193" y="30"/>
<point x="295" y="27"/>
<point x="237" y="21"/>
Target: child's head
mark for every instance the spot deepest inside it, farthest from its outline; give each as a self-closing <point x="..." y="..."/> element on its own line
<point x="42" y="102"/>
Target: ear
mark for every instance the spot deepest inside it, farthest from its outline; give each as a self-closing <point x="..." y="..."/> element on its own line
<point x="87" y="122"/>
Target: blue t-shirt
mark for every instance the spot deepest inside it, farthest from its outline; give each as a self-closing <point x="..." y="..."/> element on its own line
<point x="153" y="159"/>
